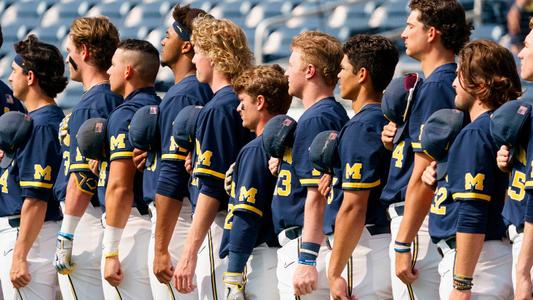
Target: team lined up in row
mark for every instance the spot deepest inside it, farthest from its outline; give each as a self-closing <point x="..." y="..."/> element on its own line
<point x="125" y="221"/>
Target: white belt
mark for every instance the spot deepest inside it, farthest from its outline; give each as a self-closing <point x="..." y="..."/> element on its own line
<point x="513" y="233"/>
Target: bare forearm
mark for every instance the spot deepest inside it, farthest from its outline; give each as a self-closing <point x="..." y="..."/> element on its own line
<point x="168" y="211"/>
<point x="76" y="201"/>
<point x="469" y="247"/>
<point x="118" y="205"/>
<point x="204" y="215"/>
<point x="348" y="227"/>
<point x="315" y="204"/>
<point x="525" y="260"/>
<point x="31" y="221"/>
<point x="417" y="201"/>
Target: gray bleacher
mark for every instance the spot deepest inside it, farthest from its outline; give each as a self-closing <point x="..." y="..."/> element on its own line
<point x="148" y="19"/>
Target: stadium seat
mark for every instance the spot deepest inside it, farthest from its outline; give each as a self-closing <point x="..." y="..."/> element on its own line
<point x="64" y="12"/>
<point x="70" y="96"/>
<point x="148" y="14"/>
<point x="260" y="12"/>
<point x="278" y="43"/>
<point x="115" y="11"/>
<point x="13" y="33"/>
<point x="155" y="37"/>
<point x="229" y="10"/>
<point x="134" y="32"/>
<point x="53" y="34"/>
<point x="487" y="31"/>
<point x="5" y="65"/>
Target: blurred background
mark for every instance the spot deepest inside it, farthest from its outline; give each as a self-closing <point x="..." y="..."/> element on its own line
<point x="268" y="24"/>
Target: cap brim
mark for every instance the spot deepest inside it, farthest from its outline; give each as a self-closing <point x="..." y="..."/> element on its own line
<point x="399" y="133"/>
<point x="7" y="160"/>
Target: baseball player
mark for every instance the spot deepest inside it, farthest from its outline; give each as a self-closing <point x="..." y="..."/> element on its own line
<point x="313" y="66"/>
<point x="435" y="32"/>
<point x="90" y="46"/>
<point x="127" y="229"/>
<point x="249" y="240"/>
<point x="478" y="252"/>
<point x="30" y="214"/>
<point x="523" y="237"/>
<point x="355" y="219"/>
<point x="174" y="210"/>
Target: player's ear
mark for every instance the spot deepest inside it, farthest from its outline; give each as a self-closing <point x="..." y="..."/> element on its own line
<point x="31" y="78"/>
<point x="84" y="51"/>
<point x="310" y="71"/>
<point x="128" y="72"/>
<point x="260" y="102"/>
<point x="362" y="75"/>
<point x="432" y="34"/>
<point x="187" y="48"/>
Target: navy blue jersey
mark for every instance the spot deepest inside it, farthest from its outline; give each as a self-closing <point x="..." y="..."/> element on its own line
<point x="119" y="143"/>
<point x="443" y="213"/>
<point x="249" y="220"/>
<point x="514" y="209"/>
<point x="296" y="170"/>
<point x="436" y="92"/>
<point x="529" y="175"/>
<point x="219" y="138"/>
<point x="173" y="180"/>
<point x="7" y="101"/>
<point x="35" y="167"/>
<point x="475" y="181"/>
<point x="364" y="165"/>
<point x="97" y="102"/>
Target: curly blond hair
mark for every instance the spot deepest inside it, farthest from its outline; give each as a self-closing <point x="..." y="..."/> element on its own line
<point x="322" y="51"/>
<point x="224" y="43"/>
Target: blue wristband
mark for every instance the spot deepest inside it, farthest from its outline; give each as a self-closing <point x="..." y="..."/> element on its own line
<point x="308" y="252"/>
<point x="402" y="250"/>
<point x="307" y="262"/>
<point x="69" y="236"/>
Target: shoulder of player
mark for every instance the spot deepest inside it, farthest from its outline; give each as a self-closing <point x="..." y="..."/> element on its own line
<point x="50" y="115"/>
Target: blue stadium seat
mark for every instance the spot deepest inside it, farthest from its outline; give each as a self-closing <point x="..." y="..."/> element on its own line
<point x="13" y="33"/>
<point x="53" y="34"/>
<point x="70" y="96"/>
<point x="115" y="11"/>
<point x="229" y="10"/>
<point x="260" y="12"/>
<point x="278" y="43"/>
<point x="29" y="23"/>
<point x="134" y="32"/>
<point x="149" y="14"/>
<point x="5" y="66"/>
<point x="487" y="31"/>
<point x="64" y="12"/>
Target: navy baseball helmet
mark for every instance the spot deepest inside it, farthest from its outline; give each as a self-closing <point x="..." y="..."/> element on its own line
<point x="508" y="123"/>
<point x="15" y="129"/>
<point x="184" y="126"/>
<point x="144" y="128"/>
<point x="438" y="134"/>
<point x="397" y="100"/>
<point x="323" y="151"/>
<point x="278" y="134"/>
<point x="92" y="138"/>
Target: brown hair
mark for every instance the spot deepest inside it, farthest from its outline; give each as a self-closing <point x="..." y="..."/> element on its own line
<point x="448" y="17"/>
<point x="322" y="51"/>
<point x="146" y="59"/>
<point x="100" y="37"/>
<point x="268" y="81"/>
<point x="186" y="14"/>
<point x="224" y="43"/>
<point x="46" y="63"/>
<point x="376" y="54"/>
<point x="488" y="72"/>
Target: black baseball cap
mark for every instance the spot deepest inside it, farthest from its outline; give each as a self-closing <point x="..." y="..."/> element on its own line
<point x="438" y="134"/>
<point x="323" y="151"/>
<point x="278" y="134"/>
<point x="508" y="122"/>
<point x="184" y="126"/>
<point x="144" y="128"/>
<point x="397" y="100"/>
<point x="15" y="129"/>
<point x="92" y="138"/>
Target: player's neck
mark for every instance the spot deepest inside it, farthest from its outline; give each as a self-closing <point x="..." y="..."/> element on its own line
<point x="315" y="92"/>
<point x="36" y="99"/>
<point x="132" y="87"/>
<point x="477" y="109"/>
<point x="218" y="81"/>
<point x="364" y="97"/>
<point x="261" y="124"/>
<point x="435" y="58"/>
<point x="182" y="68"/>
<point x="93" y="78"/>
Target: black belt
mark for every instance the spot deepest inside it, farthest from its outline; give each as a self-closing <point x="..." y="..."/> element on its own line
<point x="378" y="229"/>
<point x="14" y="222"/>
<point x="520" y="229"/>
<point x="398" y="209"/>
<point x="293" y="233"/>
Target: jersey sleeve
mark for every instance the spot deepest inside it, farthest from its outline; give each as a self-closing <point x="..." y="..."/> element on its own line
<point x="359" y="152"/>
<point x="305" y="133"/>
<point x="529" y="159"/>
<point x="216" y="151"/>
<point x="431" y="97"/>
<point x="529" y="207"/>
<point x="39" y="161"/>
<point x="118" y="135"/>
<point x="471" y="176"/>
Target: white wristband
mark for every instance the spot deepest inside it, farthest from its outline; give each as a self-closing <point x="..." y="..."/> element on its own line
<point x="111" y="240"/>
<point x="69" y="224"/>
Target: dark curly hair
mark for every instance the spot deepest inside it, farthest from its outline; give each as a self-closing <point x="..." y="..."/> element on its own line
<point x="374" y="53"/>
<point x="46" y="63"/>
<point x="268" y="81"/>
<point x="186" y="14"/>
<point x="448" y="17"/>
<point x="488" y="71"/>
